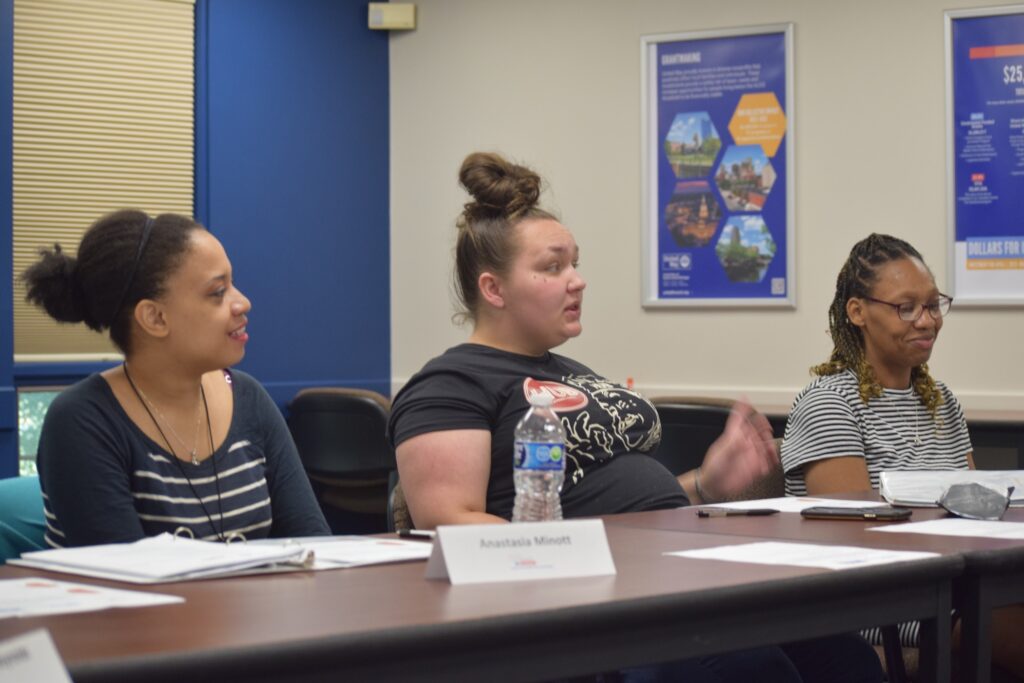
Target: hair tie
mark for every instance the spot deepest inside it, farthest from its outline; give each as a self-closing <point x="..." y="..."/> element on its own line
<point x="146" y="230"/>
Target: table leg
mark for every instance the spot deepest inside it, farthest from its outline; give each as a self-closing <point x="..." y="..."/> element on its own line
<point x="975" y="631"/>
<point x="936" y="640"/>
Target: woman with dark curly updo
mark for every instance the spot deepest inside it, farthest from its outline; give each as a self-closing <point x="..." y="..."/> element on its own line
<point x="170" y="438"/>
<point x="453" y="422"/>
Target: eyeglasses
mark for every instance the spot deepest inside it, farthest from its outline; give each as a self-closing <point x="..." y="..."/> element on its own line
<point x="911" y="311"/>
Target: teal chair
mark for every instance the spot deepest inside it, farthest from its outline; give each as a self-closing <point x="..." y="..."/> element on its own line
<point x="22" y="522"/>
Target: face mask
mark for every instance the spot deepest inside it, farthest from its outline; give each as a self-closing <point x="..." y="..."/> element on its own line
<point x="975" y="501"/>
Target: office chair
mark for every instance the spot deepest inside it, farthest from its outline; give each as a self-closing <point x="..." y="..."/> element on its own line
<point x="22" y="523"/>
<point x="340" y="436"/>
<point x="689" y="425"/>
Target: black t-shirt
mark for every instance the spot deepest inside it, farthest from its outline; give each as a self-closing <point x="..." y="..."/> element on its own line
<point x="609" y="430"/>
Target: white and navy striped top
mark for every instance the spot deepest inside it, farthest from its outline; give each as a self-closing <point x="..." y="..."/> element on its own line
<point x="105" y="481"/>
<point x="893" y="432"/>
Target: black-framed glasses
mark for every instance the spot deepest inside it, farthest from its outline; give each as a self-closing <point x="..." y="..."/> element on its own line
<point x="911" y="311"/>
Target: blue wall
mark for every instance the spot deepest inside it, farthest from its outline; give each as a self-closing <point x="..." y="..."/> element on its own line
<point x="291" y="175"/>
<point x="8" y="398"/>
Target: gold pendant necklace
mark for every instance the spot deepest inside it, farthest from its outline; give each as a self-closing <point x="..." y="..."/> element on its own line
<point x="917" y="424"/>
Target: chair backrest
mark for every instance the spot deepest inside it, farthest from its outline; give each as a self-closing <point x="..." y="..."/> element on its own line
<point x="22" y="523"/>
<point x="341" y="432"/>
<point x="689" y="425"/>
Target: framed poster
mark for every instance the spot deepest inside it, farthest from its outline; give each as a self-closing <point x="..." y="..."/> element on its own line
<point x="985" y="155"/>
<point x="717" y="122"/>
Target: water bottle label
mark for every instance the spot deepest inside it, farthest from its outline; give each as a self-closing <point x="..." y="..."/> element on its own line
<point x="539" y="456"/>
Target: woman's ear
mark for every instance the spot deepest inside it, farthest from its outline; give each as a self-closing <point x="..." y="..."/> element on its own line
<point x="150" y="317"/>
<point x="855" y="311"/>
<point x="491" y="289"/>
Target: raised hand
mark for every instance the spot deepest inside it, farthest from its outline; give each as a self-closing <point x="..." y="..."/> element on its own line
<point x="744" y="453"/>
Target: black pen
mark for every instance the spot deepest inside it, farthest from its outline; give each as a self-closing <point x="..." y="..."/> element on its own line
<point x="727" y="512"/>
<point x="417" y="534"/>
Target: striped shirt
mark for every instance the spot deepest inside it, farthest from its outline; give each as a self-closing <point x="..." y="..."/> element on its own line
<point x="105" y="481"/>
<point x="893" y="432"/>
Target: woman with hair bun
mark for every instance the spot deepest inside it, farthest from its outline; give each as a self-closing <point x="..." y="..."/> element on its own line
<point x="170" y="438"/>
<point x="452" y="424"/>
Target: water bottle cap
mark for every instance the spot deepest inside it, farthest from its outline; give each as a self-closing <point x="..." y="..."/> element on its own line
<point x="541" y="399"/>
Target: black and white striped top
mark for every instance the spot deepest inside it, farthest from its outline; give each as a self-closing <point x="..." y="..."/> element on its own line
<point x="893" y="432"/>
<point x="105" y="481"/>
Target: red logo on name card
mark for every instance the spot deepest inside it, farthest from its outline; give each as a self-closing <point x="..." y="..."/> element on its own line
<point x="977" y="178"/>
<point x="564" y="399"/>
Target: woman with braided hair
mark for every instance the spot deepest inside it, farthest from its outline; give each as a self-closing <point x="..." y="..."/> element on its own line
<point x="874" y="406"/>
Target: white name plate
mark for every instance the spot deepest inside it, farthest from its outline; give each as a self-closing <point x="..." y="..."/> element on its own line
<point x="485" y="553"/>
<point x="31" y="657"/>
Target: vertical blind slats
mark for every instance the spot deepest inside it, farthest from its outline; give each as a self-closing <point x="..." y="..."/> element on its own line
<point x="103" y="120"/>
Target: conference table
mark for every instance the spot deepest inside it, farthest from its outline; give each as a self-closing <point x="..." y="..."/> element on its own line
<point x="389" y="623"/>
<point x="993" y="568"/>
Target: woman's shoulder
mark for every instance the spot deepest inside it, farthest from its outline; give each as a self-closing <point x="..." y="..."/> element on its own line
<point x="88" y="407"/>
<point x="576" y="367"/>
<point x="949" y="399"/>
<point x="842" y="385"/>
<point x="239" y="379"/>
<point x="90" y="391"/>
<point x="250" y="396"/>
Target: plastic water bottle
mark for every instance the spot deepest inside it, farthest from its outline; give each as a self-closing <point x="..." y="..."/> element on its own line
<point x="539" y="463"/>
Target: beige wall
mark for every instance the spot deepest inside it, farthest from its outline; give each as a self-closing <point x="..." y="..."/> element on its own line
<point x="555" y="84"/>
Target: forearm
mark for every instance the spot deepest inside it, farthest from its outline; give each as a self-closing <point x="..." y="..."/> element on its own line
<point x="461" y="517"/>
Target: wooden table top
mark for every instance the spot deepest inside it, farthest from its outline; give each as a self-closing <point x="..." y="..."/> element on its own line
<point x="268" y="620"/>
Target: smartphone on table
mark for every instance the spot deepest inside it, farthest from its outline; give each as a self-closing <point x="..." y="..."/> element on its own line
<point x="870" y="514"/>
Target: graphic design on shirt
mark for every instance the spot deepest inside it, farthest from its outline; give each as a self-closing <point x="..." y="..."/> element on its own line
<point x="615" y="422"/>
<point x="563" y="399"/>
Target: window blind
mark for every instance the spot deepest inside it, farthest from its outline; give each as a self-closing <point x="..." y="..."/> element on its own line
<point x="103" y="120"/>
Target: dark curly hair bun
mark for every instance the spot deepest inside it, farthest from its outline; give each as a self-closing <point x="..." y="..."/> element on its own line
<point x="51" y="283"/>
<point x="500" y="188"/>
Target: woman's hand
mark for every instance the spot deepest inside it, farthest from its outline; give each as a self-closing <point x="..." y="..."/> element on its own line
<point x="744" y="453"/>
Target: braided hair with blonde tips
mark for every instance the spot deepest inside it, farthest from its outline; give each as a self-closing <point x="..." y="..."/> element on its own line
<point x="856" y="278"/>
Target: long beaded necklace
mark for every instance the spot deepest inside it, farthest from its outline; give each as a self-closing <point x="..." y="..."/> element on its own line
<point x="177" y="460"/>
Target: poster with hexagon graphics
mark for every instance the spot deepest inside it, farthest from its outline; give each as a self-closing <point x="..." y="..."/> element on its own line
<point x="985" y="155"/>
<point x="717" y="168"/>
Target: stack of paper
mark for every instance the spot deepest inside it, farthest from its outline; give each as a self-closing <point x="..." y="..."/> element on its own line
<point x="167" y="558"/>
<point x="163" y="558"/>
<point x="924" y="488"/>
<point x="358" y="551"/>
<point x="33" y="597"/>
